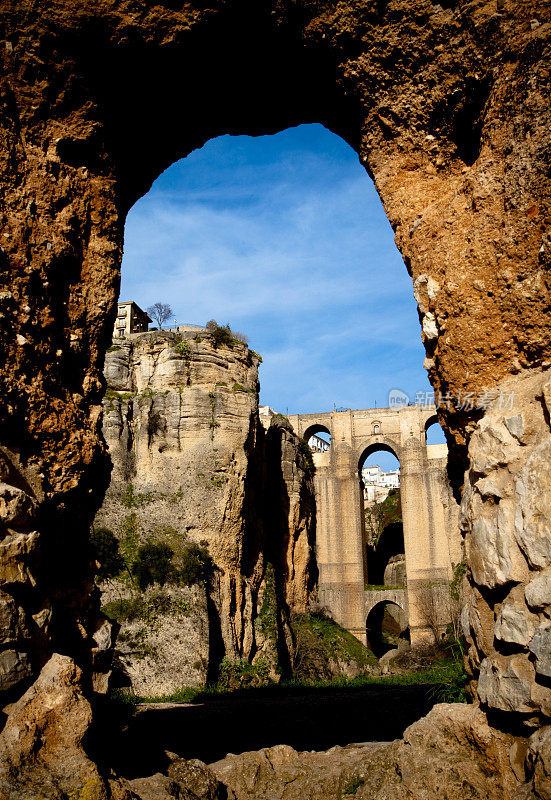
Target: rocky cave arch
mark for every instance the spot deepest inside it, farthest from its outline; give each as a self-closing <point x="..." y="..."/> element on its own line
<point x="434" y="432"/>
<point x="96" y="101"/>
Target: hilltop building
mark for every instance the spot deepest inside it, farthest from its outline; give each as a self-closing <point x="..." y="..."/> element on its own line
<point x="130" y="319"/>
<point x="378" y="483"/>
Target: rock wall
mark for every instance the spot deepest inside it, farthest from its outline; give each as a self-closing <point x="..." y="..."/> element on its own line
<point x="506" y="509"/>
<point x="447" y="106"/>
<point x="191" y="463"/>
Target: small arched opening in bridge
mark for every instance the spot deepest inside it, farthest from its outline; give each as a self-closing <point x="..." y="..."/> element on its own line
<point x="435" y="438"/>
<point x="379" y="472"/>
<point x="387" y="628"/>
<point x="318" y="438"/>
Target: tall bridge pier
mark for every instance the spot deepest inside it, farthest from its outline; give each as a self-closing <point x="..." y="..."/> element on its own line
<point x="430" y="513"/>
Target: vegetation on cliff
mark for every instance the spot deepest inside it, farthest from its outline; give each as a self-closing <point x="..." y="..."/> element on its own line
<point x="324" y="650"/>
<point x="380" y="515"/>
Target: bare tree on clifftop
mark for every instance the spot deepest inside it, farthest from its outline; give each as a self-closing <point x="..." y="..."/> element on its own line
<point x="160" y="312"/>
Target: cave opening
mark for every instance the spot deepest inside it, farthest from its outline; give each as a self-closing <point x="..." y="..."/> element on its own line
<point x="283" y="241"/>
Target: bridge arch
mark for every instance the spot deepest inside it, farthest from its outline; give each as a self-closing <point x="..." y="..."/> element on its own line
<point x="323" y="432"/>
<point x="387" y="625"/>
<point x="382" y="443"/>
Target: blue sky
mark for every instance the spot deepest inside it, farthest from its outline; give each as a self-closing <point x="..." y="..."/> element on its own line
<point x="285" y="238"/>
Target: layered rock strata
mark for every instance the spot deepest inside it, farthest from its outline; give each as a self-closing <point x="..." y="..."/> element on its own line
<point x="191" y="463"/>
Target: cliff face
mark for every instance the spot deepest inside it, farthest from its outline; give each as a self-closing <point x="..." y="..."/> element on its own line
<point x="192" y="464"/>
<point x="446" y="105"/>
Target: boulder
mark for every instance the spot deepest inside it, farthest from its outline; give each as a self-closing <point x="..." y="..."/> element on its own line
<point x="494" y="556"/>
<point x="505" y="684"/>
<point x="540" y="646"/>
<point x="513" y="625"/>
<point x="539" y="758"/>
<point x="538" y="591"/>
<point x="154" y="787"/>
<point x="195" y="778"/>
<point x="14" y="668"/>
<point x="451" y="754"/>
<point x="533" y="487"/>
<point x="41" y="750"/>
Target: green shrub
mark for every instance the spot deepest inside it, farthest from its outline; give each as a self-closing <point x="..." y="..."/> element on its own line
<point x="163" y="603"/>
<point x="305" y="455"/>
<point x="222" y="335"/>
<point x="133" y="499"/>
<point x="129" y="609"/>
<point x="267" y="615"/>
<point x="128" y="498"/>
<point x="237" y="674"/>
<point x="196" y="565"/>
<point x="153" y="564"/>
<point x="183" y="349"/>
<point x="126" y="609"/>
<point x="129" y="538"/>
<point x="280" y="421"/>
<point x="106" y="551"/>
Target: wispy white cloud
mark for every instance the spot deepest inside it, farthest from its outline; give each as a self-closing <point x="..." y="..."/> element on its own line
<point x="283" y="237"/>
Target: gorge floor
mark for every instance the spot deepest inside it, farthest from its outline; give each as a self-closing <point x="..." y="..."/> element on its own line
<point x="304" y="719"/>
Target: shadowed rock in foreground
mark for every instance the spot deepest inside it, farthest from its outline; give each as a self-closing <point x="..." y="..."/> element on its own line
<point x="452" y="754"/>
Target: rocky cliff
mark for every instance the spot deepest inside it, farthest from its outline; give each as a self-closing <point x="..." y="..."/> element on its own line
<point x="192" y="464"/>
<point x="447" y="106"/>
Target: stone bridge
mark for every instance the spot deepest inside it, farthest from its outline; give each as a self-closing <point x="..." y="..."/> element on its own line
<point x="429" y="511"/>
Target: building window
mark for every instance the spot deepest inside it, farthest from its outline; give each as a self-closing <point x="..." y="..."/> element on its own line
<point x="376" y="428"/>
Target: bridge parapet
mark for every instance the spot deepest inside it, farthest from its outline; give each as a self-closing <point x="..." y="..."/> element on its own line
<point x="374" y="596"/>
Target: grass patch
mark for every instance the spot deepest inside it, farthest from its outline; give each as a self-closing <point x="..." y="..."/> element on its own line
<point x="138" y="607"/>
<point x="321" y="641"/>
<point x="380" y="587"/>
<point x="133" y="499"/>
<point x="436" y="679"/>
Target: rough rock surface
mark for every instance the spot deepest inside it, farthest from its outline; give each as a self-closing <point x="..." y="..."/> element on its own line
<point x="164" y="648"/>
<point x="41" y="749"/>
<point x="191" y="463"/>
<point x="508" y="494"/>
<point x="451" y="754"/>
<point x="447" y="106"/>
